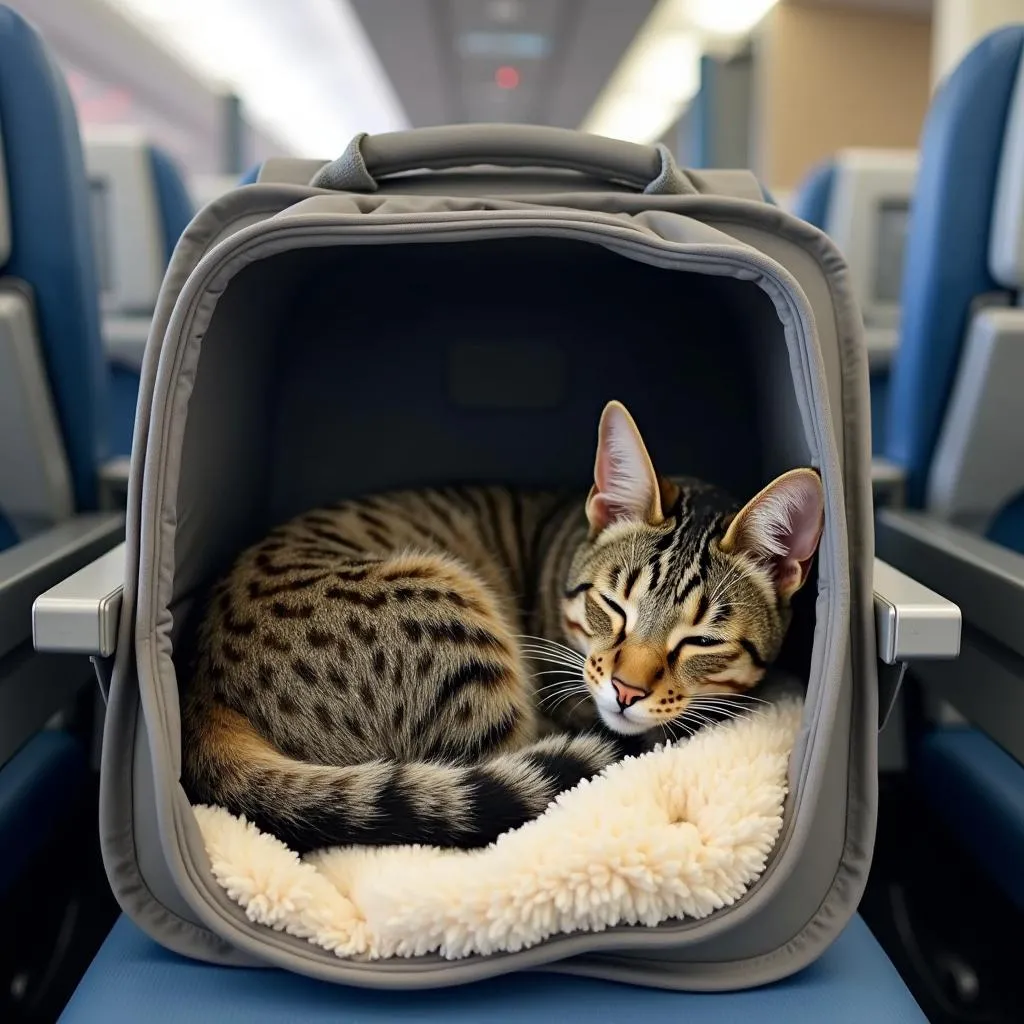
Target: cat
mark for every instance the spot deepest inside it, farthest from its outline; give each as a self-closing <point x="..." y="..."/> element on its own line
<point x="367" y="674"/>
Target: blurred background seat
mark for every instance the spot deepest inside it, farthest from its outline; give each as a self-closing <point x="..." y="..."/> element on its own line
<point x="140" y="206"/>
<point x="861" y="198"/>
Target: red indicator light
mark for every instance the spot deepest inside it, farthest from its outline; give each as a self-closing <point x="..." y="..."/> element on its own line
<point x="506" y="77"/>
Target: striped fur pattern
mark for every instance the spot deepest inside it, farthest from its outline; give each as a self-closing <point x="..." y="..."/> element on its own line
<point x="436" y="666"/>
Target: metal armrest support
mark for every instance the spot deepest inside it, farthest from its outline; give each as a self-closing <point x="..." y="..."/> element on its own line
<point x="80" y="614"/>
<point x="912" y="623"/>
<point x="35" y="565"/>
<point x="32" y="689"/>
<point x="984" y="579"/>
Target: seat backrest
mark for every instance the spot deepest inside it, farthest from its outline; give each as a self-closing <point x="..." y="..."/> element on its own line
<point x="948" y="271"/>
<point x="50" y="280"/>
<point x="976" y="478"/>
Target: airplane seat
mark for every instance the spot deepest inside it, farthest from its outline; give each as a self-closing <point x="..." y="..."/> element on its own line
<point x="954" y="431"/>
<point x="861" y="199"/>
<point x="51" y="449"/>
<point x="140" y="207"/>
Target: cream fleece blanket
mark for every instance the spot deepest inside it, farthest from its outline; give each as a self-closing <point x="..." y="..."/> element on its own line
<point x="678" y="832"/>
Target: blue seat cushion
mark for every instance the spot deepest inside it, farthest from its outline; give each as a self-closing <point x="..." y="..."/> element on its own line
<point x="132" y="979"/>
<point x="955" y="190"/>
<point x="37" y="787"/>
<point x="977" y="789"/>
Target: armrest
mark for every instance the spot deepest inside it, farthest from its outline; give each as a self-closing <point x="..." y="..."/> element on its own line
<point x="984" y="579"/>
<point x="912" y="623"/>
<point x="31" y="567"/>
<point x="80" y="614"/>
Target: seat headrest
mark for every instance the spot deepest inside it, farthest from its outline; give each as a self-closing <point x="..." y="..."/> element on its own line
<point x="1006" y="242"/>
<point x="130" y="246"/>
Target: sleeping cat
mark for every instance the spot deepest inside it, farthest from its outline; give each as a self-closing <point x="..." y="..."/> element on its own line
<point x="368" y="673"/>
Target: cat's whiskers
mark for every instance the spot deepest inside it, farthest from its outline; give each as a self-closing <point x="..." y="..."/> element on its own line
<point x="543" y="640"/>
<point x="552" y="652"/>
<point x="556" y="683"/>
<point x="559" y="665"/>
<point x="563" y="697"/>
<point x="545" y="655"/>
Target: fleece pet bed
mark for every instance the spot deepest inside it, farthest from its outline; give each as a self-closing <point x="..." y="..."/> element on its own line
<point x="681" y="831"/>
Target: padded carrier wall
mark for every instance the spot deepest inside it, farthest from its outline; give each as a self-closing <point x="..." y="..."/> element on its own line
<point x="383" y="328"/>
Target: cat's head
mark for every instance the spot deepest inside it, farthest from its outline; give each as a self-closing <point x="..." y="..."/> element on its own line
<point x="679" y="594"/>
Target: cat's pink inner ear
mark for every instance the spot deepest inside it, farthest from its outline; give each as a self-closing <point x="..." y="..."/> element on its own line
<point x="625" y="484"/>
<point x="783" y="524"/>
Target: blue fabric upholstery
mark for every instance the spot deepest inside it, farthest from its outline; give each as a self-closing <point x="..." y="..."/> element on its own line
<point x="1008" y="527"/>
<point x="176" y="209"/>
<point x="978" y="789"/>
<point x="37" y="787"/>
<point x="814" y="193"/>
<point x="947" y="246"/>
<point x="52" y="246"/>
<point x="133" y="979"/>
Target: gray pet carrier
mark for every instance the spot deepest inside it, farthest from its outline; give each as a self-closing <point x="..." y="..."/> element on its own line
<point x="458" y="304"/>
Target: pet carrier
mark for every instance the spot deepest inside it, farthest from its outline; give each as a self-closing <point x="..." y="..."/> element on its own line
<point x="458" y="304"/>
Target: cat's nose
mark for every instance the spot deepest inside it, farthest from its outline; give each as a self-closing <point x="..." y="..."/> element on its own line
<point x="626" y="694"/>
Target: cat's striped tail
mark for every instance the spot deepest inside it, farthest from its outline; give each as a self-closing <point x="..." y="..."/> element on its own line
<point x="312" y="806"/>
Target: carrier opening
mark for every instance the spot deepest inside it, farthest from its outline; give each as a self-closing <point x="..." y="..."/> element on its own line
<point x="333" y="373"/>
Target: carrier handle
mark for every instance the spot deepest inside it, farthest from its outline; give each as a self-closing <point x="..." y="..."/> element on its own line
<point x="368" y="158"/>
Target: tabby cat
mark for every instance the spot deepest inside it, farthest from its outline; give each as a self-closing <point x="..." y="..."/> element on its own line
<point x="368" y="672"/>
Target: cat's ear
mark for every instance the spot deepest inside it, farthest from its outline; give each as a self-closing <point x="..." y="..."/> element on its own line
<point x="626" y="488"/>
<point x="782" y="525"/>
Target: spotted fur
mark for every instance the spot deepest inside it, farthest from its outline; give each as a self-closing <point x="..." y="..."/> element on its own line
<point x="378" y="671"/>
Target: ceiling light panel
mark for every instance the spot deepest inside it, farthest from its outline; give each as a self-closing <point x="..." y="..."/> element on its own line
<point x="304" y="70"/>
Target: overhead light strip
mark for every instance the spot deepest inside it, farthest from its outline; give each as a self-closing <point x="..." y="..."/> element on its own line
<point x="305" y="70"/>
<point x="660" y="72"/>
